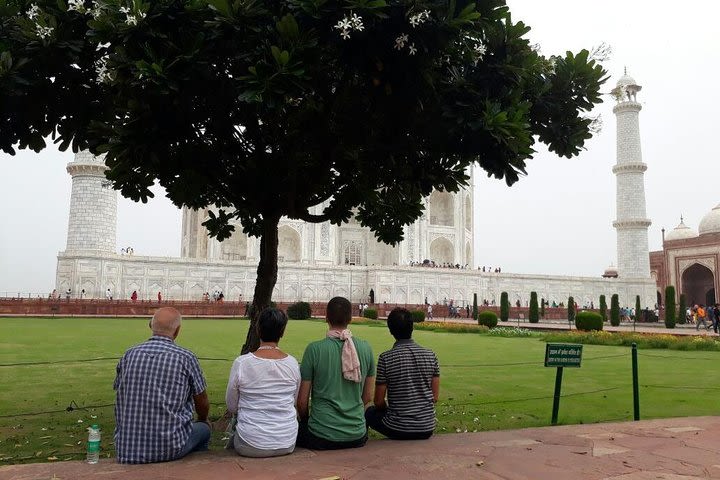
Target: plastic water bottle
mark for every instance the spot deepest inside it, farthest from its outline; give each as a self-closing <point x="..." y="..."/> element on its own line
<point x="93" y="444"/>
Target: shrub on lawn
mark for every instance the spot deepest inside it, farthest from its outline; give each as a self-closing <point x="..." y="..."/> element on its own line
<point x="682" y="310"/>
<point x="487" y="318"/>
<point x="615" y="310"/>
<point x="370" y="313"/>
<point x="418" y="316"/>
<point x="542" y="308"/>
<point x="638" y="309"/>
<point x="670" y="313"/>
<point x="504" y="307"/>
<point x="533" y="314"/>
<point x="603" y="308"/>
<point x="475" y="307"/>
<point x="571" y="309"/>
<point x="643" y="340"/>
<point x="588" y="321"/>
<point x="299" y="311"/>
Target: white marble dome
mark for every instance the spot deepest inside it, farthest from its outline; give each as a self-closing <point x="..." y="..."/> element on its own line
<point x="681" y="232"/>
<point x="711" y="222"/>
<point x="626" y="80"/>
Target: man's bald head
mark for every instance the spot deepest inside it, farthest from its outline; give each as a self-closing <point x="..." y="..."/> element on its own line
<point x="166" y="322"/>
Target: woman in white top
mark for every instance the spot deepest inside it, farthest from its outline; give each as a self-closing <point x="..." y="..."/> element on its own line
<point x="262" y="390"/>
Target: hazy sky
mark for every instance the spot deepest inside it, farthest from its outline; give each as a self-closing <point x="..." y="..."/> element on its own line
<point x="557" y="220"/>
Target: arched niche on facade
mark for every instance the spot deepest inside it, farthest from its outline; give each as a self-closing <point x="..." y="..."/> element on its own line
<point x="442" y="251"/>
<point x="698" y="285"/>
<point x="289" y="245"/>
<point x="235" y="247"/>
<point x="468" y="213"/>
<point x="442" y="211"/>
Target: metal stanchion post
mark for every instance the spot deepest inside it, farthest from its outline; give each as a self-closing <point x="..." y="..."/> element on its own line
<point x="636" y="390"/>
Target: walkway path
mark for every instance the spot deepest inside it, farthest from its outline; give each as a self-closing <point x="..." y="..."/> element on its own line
<point x="670" y="449"/>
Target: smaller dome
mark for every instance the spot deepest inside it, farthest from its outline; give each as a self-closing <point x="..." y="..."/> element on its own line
<point x="611" y="272"/>
<point x="711" y="222"/>
<point x="626" y="80"/>
<point x="680" y="232"/>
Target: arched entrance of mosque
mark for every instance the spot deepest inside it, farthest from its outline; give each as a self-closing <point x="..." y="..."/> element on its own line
<point x="698" y="285"/>
<point x="442" y="251"/>
<point x="289" y="246"/>
<point x="442" y="208"/>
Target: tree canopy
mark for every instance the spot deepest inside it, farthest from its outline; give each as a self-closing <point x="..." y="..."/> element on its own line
<point x="307" y="109"/>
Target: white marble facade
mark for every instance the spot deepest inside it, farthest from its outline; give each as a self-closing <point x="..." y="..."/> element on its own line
<point x="188" y="278"/>
<point x="443" y="235"/>
<point x="319" y="261"/>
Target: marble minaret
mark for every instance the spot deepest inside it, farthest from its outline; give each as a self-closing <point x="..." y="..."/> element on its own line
<point x="631" y="222"/>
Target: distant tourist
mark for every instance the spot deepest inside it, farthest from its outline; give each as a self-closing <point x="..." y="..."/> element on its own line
<point x="54" y="294"/>
<point x="429" y="312"/>
<point x="715" y="317"/>
<point x="68" y="294"/>
<point x="159" y="297"/>
<point x="82" y="293"/>
<point x="262" y="391"/>
<point x="108" y="294"/>
<point x="339" y="371"/>
<point x="701" y="318"/>
<point x="157" y="384"/>
<point x="134" y="296"/>
<point x="410" y="377"/>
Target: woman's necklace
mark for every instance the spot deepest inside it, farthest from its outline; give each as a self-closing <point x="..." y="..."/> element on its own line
<point x="268" y="347"/>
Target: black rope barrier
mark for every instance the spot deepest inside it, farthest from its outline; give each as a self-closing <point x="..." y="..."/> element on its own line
<point x="643" y="354"/>
<point x="516" y="400"/>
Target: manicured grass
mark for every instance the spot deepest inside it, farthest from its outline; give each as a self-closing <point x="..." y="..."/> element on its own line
<point x="487" y="382"/>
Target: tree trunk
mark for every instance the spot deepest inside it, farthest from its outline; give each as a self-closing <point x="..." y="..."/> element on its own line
<point x="266" y="280"/>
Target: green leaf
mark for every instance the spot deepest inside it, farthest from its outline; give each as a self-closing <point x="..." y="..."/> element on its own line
<point x="222" y="6"/>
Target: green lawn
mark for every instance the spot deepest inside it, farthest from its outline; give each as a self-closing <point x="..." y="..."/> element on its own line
<point x="487" y="382"/>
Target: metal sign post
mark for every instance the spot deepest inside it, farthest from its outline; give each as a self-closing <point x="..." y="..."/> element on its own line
<point x="561" y="355"/>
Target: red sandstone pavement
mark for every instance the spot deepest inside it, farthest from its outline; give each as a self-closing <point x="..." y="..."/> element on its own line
<point x="669" y="449"/>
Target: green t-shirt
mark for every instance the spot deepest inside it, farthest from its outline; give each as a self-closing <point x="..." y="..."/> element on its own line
<point x="337" y="412"/>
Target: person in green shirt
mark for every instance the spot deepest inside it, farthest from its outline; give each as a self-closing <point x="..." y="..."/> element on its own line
<point x="338" y="372"/>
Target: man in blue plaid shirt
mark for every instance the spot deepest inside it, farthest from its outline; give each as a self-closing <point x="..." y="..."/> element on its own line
<point x="157" y="384"/>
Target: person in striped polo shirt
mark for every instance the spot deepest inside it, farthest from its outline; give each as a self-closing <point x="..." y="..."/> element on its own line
<point x="407" y="385"/>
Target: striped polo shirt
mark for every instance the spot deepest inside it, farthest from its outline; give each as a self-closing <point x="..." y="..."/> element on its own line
<point x="407" y="369"/>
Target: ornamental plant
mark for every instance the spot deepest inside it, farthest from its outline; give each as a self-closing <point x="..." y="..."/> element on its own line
<point x="588" y="321"/>
<point x="299" y="311"/>
<point x="504" y="307"/>
<point x="682" y="309"/>
<point x="533" y="314"/>
<point x="314" y="110"/>
<point x="603" y="308"/>
<point x="487" y="318"/>
<point x="542" y="308"/>
<point x="615" y="310"/>
<point x="370" y="313"/>
<point x="475" y="307"/>
<point x="638" y="308"/>
<point x="571" y="309"/>
<point x="670" y="310"/>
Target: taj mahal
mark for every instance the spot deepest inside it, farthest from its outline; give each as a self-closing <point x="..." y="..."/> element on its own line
<point x="319" y="261"/>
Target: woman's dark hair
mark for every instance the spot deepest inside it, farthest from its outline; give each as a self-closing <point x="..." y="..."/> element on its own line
<point x="400" y="323"/>
<point x="271" y="324"/>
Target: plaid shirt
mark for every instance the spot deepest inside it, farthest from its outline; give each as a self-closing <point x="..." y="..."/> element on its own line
<point x="155" y="383"/>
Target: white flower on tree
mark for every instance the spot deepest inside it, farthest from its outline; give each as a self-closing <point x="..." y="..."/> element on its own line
<point x="33" y="12"/>
<point x="401" y="41"/>
<point x="357" y="22"/>
<point x="103" y="73"/>
<point x="348" y="24"/>
<point x="419" y="18"/>
<point x="77" y="5"/>
<point x="480" y="50"/>
<point x="131" y="18"/>
<point x="43" y="32"/>
<point x="412" y="50"/>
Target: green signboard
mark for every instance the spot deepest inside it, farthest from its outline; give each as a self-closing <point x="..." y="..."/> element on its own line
<point x="563" y="355"/>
